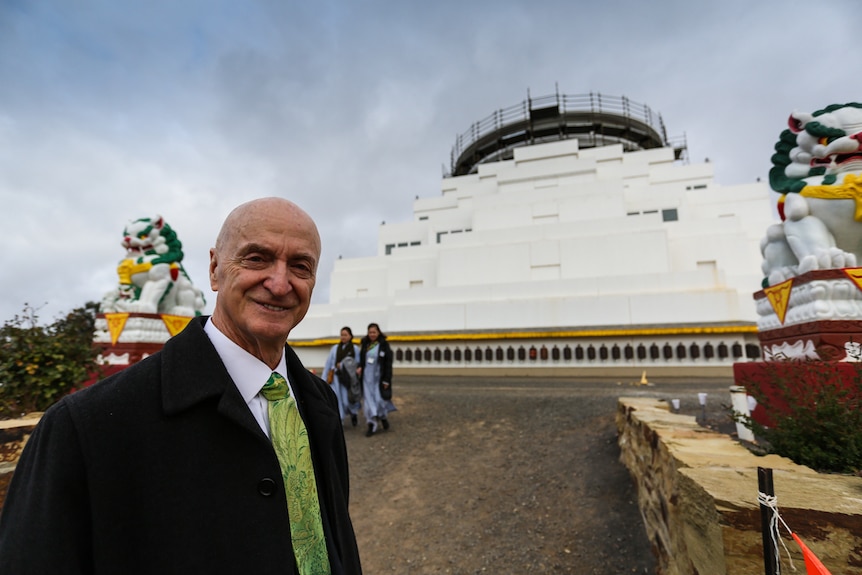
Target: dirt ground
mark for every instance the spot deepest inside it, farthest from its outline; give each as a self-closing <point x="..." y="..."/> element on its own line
<point x="506" y="475"/>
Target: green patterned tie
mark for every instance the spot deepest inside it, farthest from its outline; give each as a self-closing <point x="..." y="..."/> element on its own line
<point x="290" y="440"/>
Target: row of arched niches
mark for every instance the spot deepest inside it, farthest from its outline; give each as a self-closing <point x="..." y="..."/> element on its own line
<point x="578" y="353"/>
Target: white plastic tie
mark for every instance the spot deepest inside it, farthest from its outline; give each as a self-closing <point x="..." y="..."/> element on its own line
<point x="771" y="501"/>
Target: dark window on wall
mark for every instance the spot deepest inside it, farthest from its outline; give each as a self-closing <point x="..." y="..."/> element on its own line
<point x="489" y="354"/>
<point x="591" y="352"/>
<point x="499" y="353"/>
<point x="615" y="352"/>
<point x="567" y="353"/>
<point x="668" y="351"/>
<point x="543" y="353"/>
<point x="437" y="355"/>
<point x="603" y="352"/>
<point x="457" y="354"/>
<point x="478" y="354"/>
<point x="736" y="350"/>
<point x="752" y="351"/>
<point x="468" y="355"/>
<point x="629" y="351"/>
<point x="722" y="350"/>
<point x="522" y="353"/>
<point x="669" y="215"/>
<point x="641" y="351"/>
<point x="408" y="355"/>
<point x="680" y="351"/>
<point x="579" y="353"/>
<point x="708" y="351"/>
<point x="427" y="355"/>
<point x="399" y="355"/>
<point x="510" y="353"/>
<point x="555" y="353"/>
<point x="447" y="355"/>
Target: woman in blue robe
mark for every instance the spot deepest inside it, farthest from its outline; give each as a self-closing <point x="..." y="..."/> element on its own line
<point x="337" y="377"/>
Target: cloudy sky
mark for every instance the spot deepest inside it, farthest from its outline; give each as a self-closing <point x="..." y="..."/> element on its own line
<point x="111" y="111"/>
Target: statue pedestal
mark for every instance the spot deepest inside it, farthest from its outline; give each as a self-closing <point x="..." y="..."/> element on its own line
<point x="126" y="338"/>
<point x="828" y="340"/>
<point x="815" y="316"/>
<point x="810" y="331"/>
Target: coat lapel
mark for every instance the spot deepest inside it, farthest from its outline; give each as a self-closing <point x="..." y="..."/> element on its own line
<point x="193" y="372"/>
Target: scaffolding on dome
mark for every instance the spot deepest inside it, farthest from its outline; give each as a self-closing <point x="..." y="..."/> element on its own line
<point x="594" y="119"/>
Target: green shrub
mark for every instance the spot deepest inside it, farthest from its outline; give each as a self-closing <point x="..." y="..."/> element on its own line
<point x="41" y="364"/>
<point x="813" y="413"/>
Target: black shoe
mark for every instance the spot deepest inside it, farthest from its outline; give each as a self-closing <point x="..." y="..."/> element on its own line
<point x="370" y="431"/>
<point x="385" y="423"/>
<point x="353" y="419"/>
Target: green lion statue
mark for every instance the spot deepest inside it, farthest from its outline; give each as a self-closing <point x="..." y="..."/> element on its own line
<point x="817" y="166"/>
<point x="152" y="278"/>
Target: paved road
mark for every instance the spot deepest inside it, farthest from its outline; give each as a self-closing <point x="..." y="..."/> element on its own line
<point x="505" y="475"/>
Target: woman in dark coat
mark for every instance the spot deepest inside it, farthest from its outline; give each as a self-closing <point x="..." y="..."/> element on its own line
<point x="375" y="369"/>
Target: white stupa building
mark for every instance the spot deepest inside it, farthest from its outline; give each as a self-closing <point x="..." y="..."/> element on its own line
<point x="571" y="236"/>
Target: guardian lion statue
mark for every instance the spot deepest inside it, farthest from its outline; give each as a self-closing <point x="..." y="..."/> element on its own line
<point x="152" y="277"/>
<point x="818" y="169"/>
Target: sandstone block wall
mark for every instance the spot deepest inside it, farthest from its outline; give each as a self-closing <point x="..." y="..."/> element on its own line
<point x="697" y="492"/>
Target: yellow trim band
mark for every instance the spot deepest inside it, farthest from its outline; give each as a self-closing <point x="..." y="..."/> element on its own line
<point x="740" y="329"/>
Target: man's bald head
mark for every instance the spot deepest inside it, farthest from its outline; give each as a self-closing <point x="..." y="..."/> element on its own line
<point x="244" y="215"/>
<point x="264" y="268"/>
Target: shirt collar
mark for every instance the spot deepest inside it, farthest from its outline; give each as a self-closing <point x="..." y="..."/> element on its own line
<point x="248" y="373"/>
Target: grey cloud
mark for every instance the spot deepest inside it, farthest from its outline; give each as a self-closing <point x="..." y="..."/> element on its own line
<point x="110" y="112"/>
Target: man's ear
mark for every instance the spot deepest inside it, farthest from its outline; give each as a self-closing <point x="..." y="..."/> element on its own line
<point x="213" y="266"/>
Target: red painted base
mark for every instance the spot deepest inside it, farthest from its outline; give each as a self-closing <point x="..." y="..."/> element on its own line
<point x="783" y="383"/>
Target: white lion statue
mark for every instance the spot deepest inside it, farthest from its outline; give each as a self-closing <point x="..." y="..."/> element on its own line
<point x="818" y="168"/>
<point x="152" y="278"/>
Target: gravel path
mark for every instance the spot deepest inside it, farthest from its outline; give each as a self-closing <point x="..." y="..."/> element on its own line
<point x="505" y="475"/>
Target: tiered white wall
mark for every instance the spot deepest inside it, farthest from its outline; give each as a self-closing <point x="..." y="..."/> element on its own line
<point x="548" y="240"/>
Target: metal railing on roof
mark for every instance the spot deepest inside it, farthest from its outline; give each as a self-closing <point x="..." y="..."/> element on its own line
<point x="547" y="108"/>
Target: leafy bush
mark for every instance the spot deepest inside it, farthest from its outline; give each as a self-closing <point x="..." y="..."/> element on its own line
<point x="812" y="413"/>
<point x="41" y="364"/>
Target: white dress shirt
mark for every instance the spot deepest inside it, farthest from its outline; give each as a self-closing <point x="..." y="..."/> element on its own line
<point x="248" y="373"/>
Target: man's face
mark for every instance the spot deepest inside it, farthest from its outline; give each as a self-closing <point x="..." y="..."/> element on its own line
<point x="264" y="274"/>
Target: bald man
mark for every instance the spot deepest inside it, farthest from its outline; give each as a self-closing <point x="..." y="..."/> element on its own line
<point x="168" y="466"/>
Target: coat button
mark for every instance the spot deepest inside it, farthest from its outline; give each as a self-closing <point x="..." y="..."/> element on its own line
<point x="266" y="487"/>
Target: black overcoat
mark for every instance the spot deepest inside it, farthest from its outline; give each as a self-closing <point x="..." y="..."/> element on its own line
<point x="162" y="468"/>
